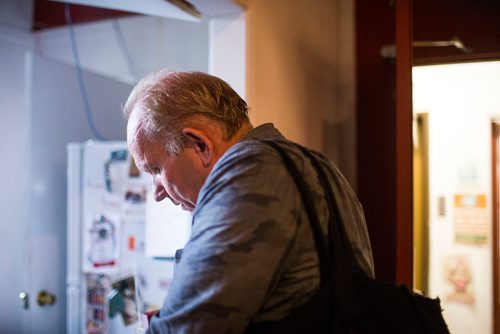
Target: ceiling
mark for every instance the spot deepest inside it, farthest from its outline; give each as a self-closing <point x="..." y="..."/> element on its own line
<point x="51" y="13"/>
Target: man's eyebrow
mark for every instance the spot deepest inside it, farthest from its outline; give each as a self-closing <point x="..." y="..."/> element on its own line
<point x="141" y="166"/>
<point x="149" y="168"/>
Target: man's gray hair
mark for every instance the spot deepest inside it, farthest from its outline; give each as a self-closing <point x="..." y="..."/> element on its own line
<point x="173" y="100"/>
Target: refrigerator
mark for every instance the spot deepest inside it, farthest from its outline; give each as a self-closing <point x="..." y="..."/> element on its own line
<point x="120" y="243"/>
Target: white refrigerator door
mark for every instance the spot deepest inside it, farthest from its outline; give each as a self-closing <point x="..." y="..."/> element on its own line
<point x="112" y="221"/>
<point x="88" y="172"/>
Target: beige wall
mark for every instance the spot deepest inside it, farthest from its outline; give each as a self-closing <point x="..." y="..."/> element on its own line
<point x="300" y="73"/>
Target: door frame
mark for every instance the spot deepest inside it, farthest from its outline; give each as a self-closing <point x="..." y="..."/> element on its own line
<point x="384" y="134"/>
<point x="404" y="142"/>
<point x="495" y="162"/>
<point x="421" y="203"/>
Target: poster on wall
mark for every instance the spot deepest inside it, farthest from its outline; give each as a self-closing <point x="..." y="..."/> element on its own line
<point x="470" y="219"/>
<point x="458" y="278"/>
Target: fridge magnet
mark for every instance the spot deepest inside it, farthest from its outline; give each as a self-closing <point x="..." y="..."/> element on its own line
<point x="133" y="240"/>
<point x="135" y="195"/>
<point x="134" y="199"/>
<point x="458" y="276"/>
<point x="116" y="171"/>
<point x="123" y="299"/>
<point x="103" y="243"/>
<point x="95" y="314"/>
<point x="133" y="171"/>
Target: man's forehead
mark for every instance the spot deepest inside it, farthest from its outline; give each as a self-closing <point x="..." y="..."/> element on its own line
<point x="134" y="126"/>
<point x="137" y="149"/>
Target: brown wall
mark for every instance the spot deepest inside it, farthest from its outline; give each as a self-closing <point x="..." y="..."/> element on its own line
<point x="300" y="73"/>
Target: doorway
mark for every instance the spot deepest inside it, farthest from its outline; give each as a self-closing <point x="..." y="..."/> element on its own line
<point x="459" y="101"/>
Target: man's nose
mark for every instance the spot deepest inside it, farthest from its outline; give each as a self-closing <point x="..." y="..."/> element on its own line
<point x="159" y="192"/>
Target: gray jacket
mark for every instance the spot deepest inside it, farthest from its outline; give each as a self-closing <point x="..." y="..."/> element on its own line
<point x="251" y="254"/>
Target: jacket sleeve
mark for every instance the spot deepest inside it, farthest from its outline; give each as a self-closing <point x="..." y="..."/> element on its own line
<point x="243" y="228"/>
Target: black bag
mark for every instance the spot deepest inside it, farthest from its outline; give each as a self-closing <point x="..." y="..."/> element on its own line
<point x="349" y="301"/>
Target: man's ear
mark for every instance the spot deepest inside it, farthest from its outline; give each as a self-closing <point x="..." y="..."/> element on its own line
<point x="201" y="144"/>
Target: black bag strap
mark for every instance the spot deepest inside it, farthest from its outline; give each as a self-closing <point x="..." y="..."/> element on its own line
<point x="337" y="262"/>
<point x="345" y="260"/>
<point x="335" y="255"/>
<point x="322" y="249"/>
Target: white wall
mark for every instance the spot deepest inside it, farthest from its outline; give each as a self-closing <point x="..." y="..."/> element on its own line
<point x="14" y="41"/>
<point x="226" y="62"/>
<point x="151" y="43"/>
<point x="461" y="100"/>
<point x="214" y="45"/>
<point x="13" y="172"/>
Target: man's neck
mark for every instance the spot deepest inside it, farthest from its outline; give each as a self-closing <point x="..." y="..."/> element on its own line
<point x="242" y="132"/>
<point x="221" y="145"/>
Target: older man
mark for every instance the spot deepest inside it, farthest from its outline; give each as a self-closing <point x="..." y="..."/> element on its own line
<point x="250" y="257"/>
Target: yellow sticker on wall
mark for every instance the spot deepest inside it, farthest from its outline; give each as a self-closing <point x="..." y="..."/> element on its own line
<point x="470" y="219"/>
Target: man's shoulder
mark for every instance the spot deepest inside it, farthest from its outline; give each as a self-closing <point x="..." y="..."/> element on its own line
<point x="249" y="164"/>
<point x="249" y="148"/>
